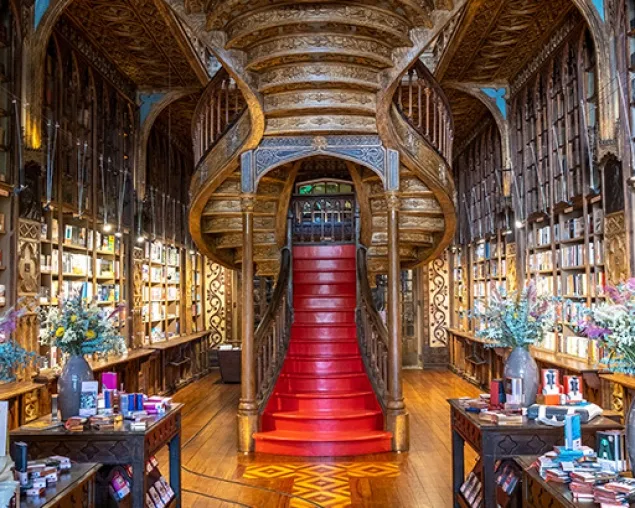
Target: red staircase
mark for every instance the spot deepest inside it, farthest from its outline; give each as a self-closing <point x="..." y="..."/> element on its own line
<point x="323" y="404"/>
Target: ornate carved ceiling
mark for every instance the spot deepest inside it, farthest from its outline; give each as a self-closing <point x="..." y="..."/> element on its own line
<point x="140" y="37"/>
<point x="496" y="38"/>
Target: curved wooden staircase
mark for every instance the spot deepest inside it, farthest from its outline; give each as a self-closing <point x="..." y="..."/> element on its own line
<point x="327" y="72"/>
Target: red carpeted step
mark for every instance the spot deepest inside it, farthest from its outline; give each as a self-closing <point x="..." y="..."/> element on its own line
<point x="324" y="290"/>
<point x="324" y="265"/>
<point x="344" y="332"/>
<point x="323" y="365"/>
<point x="324" y="251"/>
<point x="315" y="401"/>
<point x="323" y="403"/>
<point x="347" y="277"/>
<point x="322" y="348"/>
<point x="324" y="302"/>
<point x="324" y="317"/>
<point x="323" y="444"/>
<point x="337" y="420"/>
<point x="296" y="382"/>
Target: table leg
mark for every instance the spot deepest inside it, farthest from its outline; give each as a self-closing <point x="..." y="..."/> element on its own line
<point x="489" y="485"/>
<point x="138" y="483"/>
<point x="458" y="464"/>
<point x="175" y="467"/>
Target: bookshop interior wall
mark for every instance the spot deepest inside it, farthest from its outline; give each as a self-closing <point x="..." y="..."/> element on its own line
<point x="442" y="185"/>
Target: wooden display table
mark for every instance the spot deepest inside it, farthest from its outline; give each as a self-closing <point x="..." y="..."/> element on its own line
<point x="75" y="489"/>
<point x="494" y="442"/>
<point x="114" y="448"/>
<point x="183" y="359"/>
<point x="27" y="401"/>
<point x="538" y="493"/>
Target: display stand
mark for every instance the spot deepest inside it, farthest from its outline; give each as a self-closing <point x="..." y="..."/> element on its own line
<point x="115" y="448"/>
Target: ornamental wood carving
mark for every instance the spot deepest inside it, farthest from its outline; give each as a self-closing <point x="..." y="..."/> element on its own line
<point x="137" y="39"/>
<point x="215" y="307"/>
<point x="616" y="250"/>
<point x="439" y="298"/>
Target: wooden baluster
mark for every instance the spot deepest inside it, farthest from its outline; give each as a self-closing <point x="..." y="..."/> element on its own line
<point x="219" y="113"/>
<point x="427" y="92"/>
<point x="212" y="117"/>
<point x="419" y="105"/>
<point x="226" y="86"/>
<point x="410" y="74"/>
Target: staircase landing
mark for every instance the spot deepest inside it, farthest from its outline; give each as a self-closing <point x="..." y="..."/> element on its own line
<point x="323" y="404"/>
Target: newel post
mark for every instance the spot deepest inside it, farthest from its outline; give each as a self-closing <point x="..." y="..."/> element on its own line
<point x="248" y="406"/>
<point x="396" y="415"/>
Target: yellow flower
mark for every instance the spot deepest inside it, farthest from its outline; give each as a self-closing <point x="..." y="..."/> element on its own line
<point x="90" y="334"/>
<point x="59" y="332"/>
<point x="73" y="318"/>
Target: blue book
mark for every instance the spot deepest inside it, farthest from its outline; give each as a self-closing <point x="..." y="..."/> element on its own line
<point x="572" y="432"/>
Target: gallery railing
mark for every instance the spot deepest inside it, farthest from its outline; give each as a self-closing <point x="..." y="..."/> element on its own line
<point x="272" y="335"/>
<point x="423" y="103"/>
<point x="371" y="332"/>
<point x="219" y="107"/>
<point x="323" y="219"/>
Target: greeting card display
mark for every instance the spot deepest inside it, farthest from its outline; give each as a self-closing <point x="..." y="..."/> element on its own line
<point x="550" y="386"/>
<point x="573" y="388"/>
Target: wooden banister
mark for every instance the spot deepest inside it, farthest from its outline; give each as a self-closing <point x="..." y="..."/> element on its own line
<point x="219" y="107"/>
<point x="424" y="105"/>
<point x="371" y="332"/>
<point x="273" y="333"/>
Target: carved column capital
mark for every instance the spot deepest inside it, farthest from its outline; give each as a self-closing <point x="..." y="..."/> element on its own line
<point x="393" y="201"/>
<point x="247" y="202"/>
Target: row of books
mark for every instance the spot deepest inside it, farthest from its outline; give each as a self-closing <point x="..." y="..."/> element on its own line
<point x="571" y="229"/>
<point x="163" y="254"/>
<point x="88" y="291"/>
<point x="540" y="261"/>
<point x="571" y="256"/>
<point x="81" y="236"/>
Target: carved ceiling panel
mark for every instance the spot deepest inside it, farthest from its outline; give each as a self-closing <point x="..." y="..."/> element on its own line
<point x="136" y="36"/>
<point x="500" y="36"/>
<point x="468" y="113"/>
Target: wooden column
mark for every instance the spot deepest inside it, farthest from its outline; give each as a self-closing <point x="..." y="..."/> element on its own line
<point x="396" y="416"/>
<point x="248" y="407"/>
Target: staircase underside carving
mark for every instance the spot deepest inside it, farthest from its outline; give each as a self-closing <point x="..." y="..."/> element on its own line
<point x="321" y="76"/>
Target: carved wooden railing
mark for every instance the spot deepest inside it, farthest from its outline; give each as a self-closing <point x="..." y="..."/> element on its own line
<point x="273" y="332"/>
<point x="371" y="332"/>
<point x="423" y="103"/>
<point x="219" y="107"/>
<point x="323" y="219"/>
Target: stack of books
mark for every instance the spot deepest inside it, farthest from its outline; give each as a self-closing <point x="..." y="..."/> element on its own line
<point x="617" y="493"/>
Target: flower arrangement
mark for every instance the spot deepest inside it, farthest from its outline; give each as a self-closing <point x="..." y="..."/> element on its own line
<point x="12" y="355"/>
<point x="80" y="328"/>
<point x="613" y="323"/>
<point x="516" y="319"/>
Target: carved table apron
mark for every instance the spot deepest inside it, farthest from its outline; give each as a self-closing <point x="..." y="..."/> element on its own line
<point x="110" y="448"/>
<point x="495" y="442"/>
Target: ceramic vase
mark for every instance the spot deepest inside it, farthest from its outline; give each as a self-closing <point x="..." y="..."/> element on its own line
<point x="69" y="385"/>
<point x="520" y="364"/>
<point x="630" y="434"/>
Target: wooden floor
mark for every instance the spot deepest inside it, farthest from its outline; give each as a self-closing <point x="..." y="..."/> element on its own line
<point x="214" y="475"/>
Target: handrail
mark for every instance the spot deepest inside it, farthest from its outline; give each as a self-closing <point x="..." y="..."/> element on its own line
<point x="273" y="333"/>
<point x="371" y="332"/>
<point x="219" y="107"/>
<point x="425" y="106"/>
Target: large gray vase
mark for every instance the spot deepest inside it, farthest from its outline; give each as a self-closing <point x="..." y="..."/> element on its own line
<point x="69" y="385"/>
<point x="520" y="364"/>
<point x="630" y="434"/>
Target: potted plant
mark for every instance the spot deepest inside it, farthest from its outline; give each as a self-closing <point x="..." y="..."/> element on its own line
<point x="516" y="321"/>
<point x="12" y="355"/>
<point x="78" y="328"/>
<point x="612" y="323"/>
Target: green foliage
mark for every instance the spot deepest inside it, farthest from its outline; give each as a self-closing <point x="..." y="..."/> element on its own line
<point x="514" y="320"/>
<point x="81" y="328"/>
